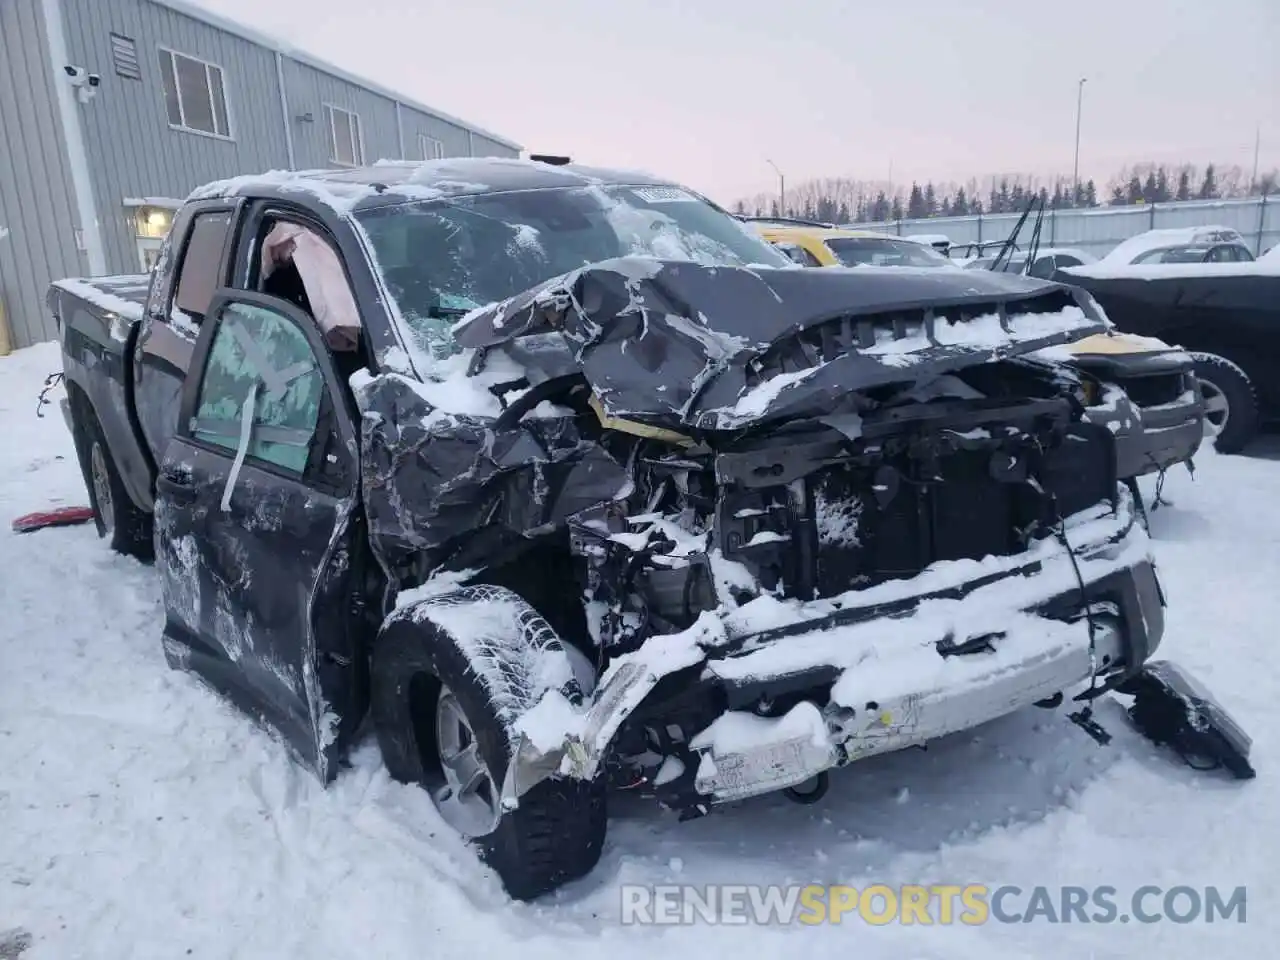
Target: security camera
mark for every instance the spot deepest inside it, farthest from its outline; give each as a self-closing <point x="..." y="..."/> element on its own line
<point x="94" y="80"/>
<point x="78" y="76"/>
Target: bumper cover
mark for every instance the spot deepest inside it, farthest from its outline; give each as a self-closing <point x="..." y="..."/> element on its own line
<point x="1150" y="439"/>
<point x="893" y="666"/>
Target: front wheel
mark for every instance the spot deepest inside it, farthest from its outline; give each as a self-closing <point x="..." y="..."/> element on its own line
<point x="450" y="677"/>
<point x="1231" y="406"/>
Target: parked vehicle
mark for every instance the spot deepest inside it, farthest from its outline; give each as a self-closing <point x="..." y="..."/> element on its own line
<point x="673" y="521"/>
<point x="1140" y="388"/>
<point x="1214" y="244"/>
<point x="1225" y="314"/>
<point x="814" y="244"/>
<point x="1047" y="262"/>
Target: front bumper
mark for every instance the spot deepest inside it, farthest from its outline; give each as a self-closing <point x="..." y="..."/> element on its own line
<point x="1150" y="436"/>
<point x="871" y="671"/>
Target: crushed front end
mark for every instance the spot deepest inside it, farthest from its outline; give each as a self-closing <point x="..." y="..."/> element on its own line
<point x="807" y="599"/>
<point x="801" y="517"/>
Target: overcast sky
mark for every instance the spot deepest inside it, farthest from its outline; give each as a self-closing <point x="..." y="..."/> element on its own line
<point x="706" y="91"/>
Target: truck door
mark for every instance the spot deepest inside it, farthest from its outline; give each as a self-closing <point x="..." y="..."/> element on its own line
<point x="258" y="530"/>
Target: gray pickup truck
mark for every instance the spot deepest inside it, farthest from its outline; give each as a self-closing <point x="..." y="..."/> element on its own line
<point x="574" y="484"/>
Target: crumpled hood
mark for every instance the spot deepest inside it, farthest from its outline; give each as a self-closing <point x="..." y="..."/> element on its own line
<point x="679" y="344"/>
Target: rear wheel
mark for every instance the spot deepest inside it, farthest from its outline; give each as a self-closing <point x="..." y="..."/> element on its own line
<point x="1231" y="406"/>
<point x="450" y="677"/>
<point x="126" y="528"/>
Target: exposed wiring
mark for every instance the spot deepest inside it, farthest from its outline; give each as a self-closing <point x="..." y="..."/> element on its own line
<point x="51" y="381"/>
<point x="1083" y="718"/>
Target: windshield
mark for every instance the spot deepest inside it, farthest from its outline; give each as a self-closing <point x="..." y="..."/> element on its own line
<point x="878" y="252"/>
<point x="442" y="258"/>
<point x="1175" y="255"/>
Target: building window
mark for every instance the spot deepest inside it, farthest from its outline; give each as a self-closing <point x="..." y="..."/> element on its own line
<point x="124" y="57"/>
<point x="430" y="148"/>
<point x="346" y="145"/>
<point x="194" y="94"/>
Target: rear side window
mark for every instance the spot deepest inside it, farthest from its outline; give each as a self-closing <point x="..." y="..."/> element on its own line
<point x="200" y="272"/>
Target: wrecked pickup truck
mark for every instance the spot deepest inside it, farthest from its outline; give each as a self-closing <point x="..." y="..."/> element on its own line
<point x="575" y="485"/>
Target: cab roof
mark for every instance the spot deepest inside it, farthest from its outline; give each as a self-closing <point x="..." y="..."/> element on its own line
<point x="392" y="182"/>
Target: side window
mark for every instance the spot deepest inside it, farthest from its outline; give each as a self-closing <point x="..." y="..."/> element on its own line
<point x="199" y="273"/>
<point x="261" y="377"/>
<point x="1243" y="254"/>
<point x="808" y="259"/>
<point x="1222" y="254"/>
<point x="1044" y="267"/>
<point x="1066" y="260"/>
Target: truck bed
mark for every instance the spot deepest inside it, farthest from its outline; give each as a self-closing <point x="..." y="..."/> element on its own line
<point x="124" y="296"/>
<point x="96" y="318"/>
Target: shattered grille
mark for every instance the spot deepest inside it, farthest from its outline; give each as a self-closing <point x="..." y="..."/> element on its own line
<point x="825" y="341"/>
<point x="871" y="530"/>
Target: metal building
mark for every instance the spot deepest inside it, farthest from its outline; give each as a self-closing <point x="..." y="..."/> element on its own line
<point x="112" y="111"/>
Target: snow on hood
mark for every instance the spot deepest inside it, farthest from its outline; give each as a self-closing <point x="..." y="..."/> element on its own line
<point x="683" y="345"/>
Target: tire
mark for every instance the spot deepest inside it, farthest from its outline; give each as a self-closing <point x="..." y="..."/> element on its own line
<point x="1233" y="420"/>
<point x="421" y="661"/>
<point x="127" y="529"/>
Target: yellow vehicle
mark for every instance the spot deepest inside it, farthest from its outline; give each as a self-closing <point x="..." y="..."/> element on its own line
<point x="1143" y="390"/>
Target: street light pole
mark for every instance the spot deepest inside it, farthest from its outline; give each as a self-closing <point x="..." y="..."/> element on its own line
<point x="1075" y="171"/>
<point x="782" y="188"/>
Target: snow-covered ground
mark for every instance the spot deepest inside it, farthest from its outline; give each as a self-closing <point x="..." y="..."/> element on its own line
<point x="142" y="817"/>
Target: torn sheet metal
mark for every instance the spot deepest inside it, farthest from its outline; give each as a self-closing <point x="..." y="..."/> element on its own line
<point x="686" y="346"/>
<point x="460" y="487"/>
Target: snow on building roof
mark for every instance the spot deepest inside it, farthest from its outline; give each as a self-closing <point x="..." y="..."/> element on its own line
<point x="197" y="12"/>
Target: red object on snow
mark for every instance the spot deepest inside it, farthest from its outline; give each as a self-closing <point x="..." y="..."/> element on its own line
<point x="62" y="517"/>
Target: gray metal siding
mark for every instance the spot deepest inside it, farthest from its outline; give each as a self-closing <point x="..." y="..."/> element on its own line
<point x="484" y="147"/>
<point x="452" y="137"/>
<point x="36" y="206"/>
<point x="133" y="152"/>
<point x="309" y="90"/>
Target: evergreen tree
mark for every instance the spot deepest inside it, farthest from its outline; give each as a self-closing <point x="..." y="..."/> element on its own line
<point x="1149" y="187"/>
<point x="1184" y="184"/>
<point x="1119" y="196"/>
<point x="895" y="211"/>
<point x="880" y="209"/>
<point x="930" y="200"/>
<point x="975" y="208"/>
<point x="1209" y="188"/>
<point x="1163" y="193"/>
<point x="1133" y="193"/>
<point x="960" y="205"/>
<point x="1058" y="200"/>
<point x="1090" y="194"/>
<point x="915" y="203"/>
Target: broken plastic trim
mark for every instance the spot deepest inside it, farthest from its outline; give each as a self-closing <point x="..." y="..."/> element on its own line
<point x="1172" y="709"/>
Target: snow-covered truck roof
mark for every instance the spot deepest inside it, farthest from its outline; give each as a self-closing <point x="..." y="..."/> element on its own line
<point x="386" y="183"/>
